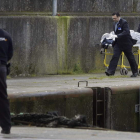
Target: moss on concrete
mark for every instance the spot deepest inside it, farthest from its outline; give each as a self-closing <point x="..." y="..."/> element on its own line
<point x="57" y="45"/>
<point x="62" y="47"/>
<point x="62" y="43"/>
<point x="109" y="77"/>
<point x="135" y="3"/>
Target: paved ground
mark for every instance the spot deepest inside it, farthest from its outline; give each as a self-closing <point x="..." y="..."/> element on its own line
<point x="63" y="82"/>
<point x="35" y="133"/>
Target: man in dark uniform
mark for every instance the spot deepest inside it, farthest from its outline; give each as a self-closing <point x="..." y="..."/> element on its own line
<point x="6" y="53"/>
<point x="123" y="42"/>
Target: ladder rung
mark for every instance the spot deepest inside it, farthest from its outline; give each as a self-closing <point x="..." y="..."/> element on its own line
<point x="99" y="114"/>
<point x="99" y="100"/>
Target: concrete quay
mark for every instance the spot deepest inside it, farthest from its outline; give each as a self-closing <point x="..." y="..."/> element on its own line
<point x="36" y="133"/>
<point x="23" y="89"/>
<point x="52" y="83"/>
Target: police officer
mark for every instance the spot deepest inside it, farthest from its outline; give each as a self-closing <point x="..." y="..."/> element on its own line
<point x="6" y="53"/>
<point x="123" y="42"/>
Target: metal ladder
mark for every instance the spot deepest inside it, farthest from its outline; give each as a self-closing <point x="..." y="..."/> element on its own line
<point x="99" y="107"/>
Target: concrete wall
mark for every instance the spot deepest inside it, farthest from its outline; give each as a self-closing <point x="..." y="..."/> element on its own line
<point x="68" y="103"/>
<point x="52" y="45"/>
<point x="70" y="5"/>
<point x="59" y="45"/>
<point x="35" y="44"/>
<point x="120" y="108"/>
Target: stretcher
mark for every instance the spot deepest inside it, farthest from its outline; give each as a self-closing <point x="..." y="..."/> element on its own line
<point x="122" y="65"/>
<point x="107" y="46"/>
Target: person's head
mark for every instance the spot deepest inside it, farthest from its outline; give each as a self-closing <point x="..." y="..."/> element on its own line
<point x="116" y="17"/>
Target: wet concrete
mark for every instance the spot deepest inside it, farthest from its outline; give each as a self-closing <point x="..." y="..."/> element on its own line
<point x="52" y="83"/>
<point x="35" y="133"/>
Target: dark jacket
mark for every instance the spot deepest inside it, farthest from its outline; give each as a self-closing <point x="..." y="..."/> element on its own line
<point x="138" y="30"/>
<point x="6" y="47"/>
<point x="124" y="38"/>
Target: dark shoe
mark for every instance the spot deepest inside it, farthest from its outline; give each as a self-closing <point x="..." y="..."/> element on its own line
<point x="108" y="74"/>
<point x="134" y="75"/>
<point x="5" y="131"/>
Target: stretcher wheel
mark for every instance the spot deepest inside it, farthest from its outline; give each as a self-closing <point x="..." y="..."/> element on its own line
<point x="106" y="68"/>
<point x="123" y="71"/>
<point x="139" y="72"/>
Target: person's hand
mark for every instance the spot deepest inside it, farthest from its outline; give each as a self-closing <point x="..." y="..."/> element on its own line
<point x="114" y="37"/>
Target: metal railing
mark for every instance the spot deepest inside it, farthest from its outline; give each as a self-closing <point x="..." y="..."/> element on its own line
<point x="54" y="8"/>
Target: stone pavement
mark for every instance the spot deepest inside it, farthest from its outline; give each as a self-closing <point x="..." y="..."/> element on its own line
<point x="52" y="83"/>
<point x="36" y="133"/>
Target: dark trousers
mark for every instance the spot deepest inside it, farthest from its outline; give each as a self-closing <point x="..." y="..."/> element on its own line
<point x="5" y="120"/>
<point x="116" y="55"/>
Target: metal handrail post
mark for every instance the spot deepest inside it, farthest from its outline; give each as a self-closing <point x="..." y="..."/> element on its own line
<point x="54" y="7"/>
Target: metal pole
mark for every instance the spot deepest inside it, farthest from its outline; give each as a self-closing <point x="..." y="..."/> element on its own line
<point x="54" y="7"/>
